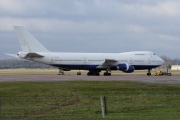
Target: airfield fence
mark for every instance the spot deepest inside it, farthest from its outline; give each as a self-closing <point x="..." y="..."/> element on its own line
<point x="89" y="107"/>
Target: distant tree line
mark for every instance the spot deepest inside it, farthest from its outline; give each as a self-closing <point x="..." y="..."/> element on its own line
<point x="18" y="63"/>
<point x="15" y="63"/>
<point x="169" y="62"/>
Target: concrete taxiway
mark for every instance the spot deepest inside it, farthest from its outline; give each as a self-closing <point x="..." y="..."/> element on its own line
<point x="175" y="79"/>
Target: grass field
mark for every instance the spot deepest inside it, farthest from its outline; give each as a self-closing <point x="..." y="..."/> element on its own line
<point x="80" y="100"/>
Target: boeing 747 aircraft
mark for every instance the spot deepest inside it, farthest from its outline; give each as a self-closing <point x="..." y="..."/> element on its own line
<point x="127" y="62"/>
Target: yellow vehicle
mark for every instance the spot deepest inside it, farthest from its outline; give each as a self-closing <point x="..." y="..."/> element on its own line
<point x="160" y="73"/>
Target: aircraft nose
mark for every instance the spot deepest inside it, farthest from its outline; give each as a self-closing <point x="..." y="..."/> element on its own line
<point x="161" y="60"/>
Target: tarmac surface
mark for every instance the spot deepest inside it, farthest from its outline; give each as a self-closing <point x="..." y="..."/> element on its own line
<point x="175" y="79"/>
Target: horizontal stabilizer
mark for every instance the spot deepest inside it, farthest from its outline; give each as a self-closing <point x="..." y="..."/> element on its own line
<point x="12" y="55"/>
<point x="25" y="55"/>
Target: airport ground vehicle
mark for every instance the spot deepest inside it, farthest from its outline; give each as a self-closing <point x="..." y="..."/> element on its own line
<point x="160" y="73"/>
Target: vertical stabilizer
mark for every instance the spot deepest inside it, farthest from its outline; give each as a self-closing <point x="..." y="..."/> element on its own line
<point x="28" y="42"/>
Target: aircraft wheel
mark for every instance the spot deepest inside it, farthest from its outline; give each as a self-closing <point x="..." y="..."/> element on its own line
<point x="97" y="74"/>
<point x="148" y="74"/>
<point x="78" y="73"/>
<point x="89" y="73"/>
<point x="93" y="73"/>
<point x="107" y="74"/>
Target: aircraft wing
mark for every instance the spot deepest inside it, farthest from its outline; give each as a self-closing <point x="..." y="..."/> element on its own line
<point x="108" y="63"/>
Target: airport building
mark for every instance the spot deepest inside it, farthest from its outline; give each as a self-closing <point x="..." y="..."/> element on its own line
<point x="175" y="67"/>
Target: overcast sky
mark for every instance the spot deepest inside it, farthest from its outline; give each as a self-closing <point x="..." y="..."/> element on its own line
<point x="94" y="25"/>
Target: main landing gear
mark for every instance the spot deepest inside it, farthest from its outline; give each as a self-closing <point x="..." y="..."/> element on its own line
<point x="97" y="73"/>
<point x="108" y="72"/>
<point x="79" y="73"/>
<point x="93" y="73"/>
<point x="149" y="72"/>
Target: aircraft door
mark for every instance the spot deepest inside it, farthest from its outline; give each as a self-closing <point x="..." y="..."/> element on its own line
<point x="52" y="60"/>
<point x="149" y="61"/>
<point x="131" y="61"/>
<point x="84" y="60"/>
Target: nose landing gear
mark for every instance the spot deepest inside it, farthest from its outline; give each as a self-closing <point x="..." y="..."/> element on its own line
<point x="149" y="72"/>
<point x="61" y="72"/>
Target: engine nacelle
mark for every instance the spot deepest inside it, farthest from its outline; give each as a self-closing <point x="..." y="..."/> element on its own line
<point x="126" y="68"/>
<point x="22" y="54"/>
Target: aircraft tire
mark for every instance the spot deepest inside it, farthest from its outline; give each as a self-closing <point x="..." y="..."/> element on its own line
<point x="97" y="74"/>
<point x="89" y="73"/>
<point x="148" y="74"/>
<point x="78" y="73"/>
<point x="93" y="73"/>
<point x="107" y="74"/>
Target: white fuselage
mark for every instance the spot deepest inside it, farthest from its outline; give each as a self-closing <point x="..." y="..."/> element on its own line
<point x="86" y="61"/>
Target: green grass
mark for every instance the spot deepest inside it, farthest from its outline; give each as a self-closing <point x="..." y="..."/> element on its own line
<point x="80" y="100"/>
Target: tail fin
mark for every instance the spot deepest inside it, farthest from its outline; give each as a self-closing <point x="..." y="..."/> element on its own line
<point x="28" y="42"/>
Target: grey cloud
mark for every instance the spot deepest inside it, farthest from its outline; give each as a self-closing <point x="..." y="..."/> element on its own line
<point x="103" y="25"/>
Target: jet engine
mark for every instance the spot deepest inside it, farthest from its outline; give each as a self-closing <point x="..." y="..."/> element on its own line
<point x="126" y="68"/>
